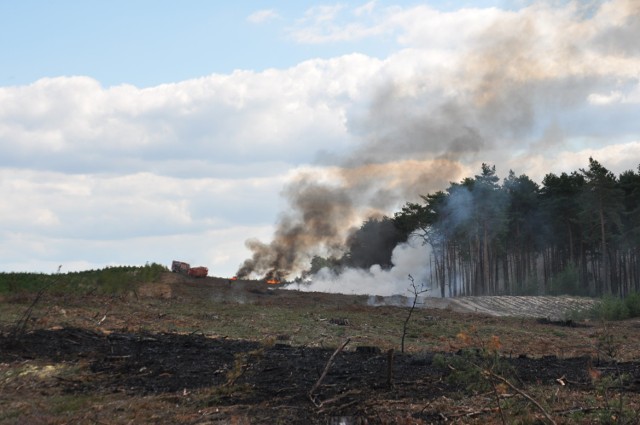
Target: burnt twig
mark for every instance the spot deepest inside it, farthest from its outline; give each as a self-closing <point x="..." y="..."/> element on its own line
<point x="390" y="368"/>
<point x="326" y="370"/>
<point x="20" y="326"/>
<point x="416" y="293"/>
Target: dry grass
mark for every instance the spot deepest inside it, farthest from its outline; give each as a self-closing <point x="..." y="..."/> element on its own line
<point x="30" y="390"/>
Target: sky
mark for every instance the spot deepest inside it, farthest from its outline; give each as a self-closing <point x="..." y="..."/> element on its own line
<point x="148" y="131"/>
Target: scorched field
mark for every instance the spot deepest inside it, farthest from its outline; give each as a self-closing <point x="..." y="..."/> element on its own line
<point x="209" y="351"/>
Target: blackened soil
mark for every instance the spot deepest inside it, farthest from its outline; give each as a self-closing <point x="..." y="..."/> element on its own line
<point x="268" y="379"/>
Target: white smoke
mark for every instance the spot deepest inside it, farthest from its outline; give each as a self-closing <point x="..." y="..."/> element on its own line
<point x="411" y="258"/>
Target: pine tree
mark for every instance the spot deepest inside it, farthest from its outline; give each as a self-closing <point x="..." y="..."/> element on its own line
<point x="601" y="213"/>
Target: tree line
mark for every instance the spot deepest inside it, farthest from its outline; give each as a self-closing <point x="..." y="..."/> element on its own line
<point x="576" y="233"/>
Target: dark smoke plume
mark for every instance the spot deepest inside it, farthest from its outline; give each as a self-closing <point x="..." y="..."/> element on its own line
<point x="416" y="136"/>
<point x="323" y="215"/>
<point x="317" y="214"/>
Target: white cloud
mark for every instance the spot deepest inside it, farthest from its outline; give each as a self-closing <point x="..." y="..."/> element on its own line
<point x="323" y="13"/>
<point x="634" y="94"/>
<point x="616" y="157"/>
<point x="220" y="250"/>
<point x="101" y="220"/>
<point x="262" y="16"/>
<point x="365" y="9"/>
<point x="605" y="99"/>
<point x="74" y="123"/>
<point x="331" y="24"/>
<point x="141" y="204"/>
<point x="200" y="163"/>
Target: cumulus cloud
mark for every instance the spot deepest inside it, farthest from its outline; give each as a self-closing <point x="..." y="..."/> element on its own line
<point x="205" y="160"/>
<point x="82" y="162"/>
<point x="101" y="219"/>
<point x="245" y="117"/>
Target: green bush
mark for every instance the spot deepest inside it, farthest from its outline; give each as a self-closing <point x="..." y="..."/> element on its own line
<point x="110" y="280"/>
<point x="468" y="368"/>
<point x="632" y="301"/>
<point x="461" y="369"/>
<point x="17" y="282"/>
<point x="121" y="279"/>
<point x="150" y="272"/>
<point x="567" y="282"/>
<point x="115" y="280"/>
<point x="611" y="308"/>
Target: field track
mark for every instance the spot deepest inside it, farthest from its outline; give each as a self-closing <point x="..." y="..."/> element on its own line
<point x="554" y="308"/>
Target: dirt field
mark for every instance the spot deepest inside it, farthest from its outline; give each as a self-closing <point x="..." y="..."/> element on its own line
<point x="213" y="352"/>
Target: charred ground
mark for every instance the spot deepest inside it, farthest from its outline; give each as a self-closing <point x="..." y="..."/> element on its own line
<point x="207" y="351"/>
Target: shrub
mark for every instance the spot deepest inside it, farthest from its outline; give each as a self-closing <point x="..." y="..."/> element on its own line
<point x="151" y="272"/>
<point x="110" y="280"/>
<point x="19" y="282"/>
<point x="567" y="282"/>
<point x="611" y="308"/>
<point x="472" y="365"/>
<point x="632" y="301"/>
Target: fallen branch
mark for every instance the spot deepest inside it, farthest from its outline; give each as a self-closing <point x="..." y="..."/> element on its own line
<point x="497" y="395"/>
<point x="467" y="414"/>
<point x="578" y="410"/>
<point x="326" y="370"/>
<point x="336" y="399"/>
<point x="523" y="394"/>
<point x="106" y="313"/>
<point x="339" y="408"/>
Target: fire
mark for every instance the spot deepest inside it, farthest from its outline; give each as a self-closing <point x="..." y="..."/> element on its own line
<point x="273" y="281"/>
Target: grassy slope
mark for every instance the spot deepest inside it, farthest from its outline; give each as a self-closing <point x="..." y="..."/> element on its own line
<point x="251" y="310"/>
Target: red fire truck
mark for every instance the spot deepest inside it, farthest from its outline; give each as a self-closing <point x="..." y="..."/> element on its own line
<point x="184" y="268"/>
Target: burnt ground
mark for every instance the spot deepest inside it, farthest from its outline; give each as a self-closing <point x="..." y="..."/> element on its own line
<point x="271" y="383"/>
<point x="178" y="377"/>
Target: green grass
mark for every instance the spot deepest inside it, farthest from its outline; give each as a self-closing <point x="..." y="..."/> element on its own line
<point x="307" y="325"/>
<point x="69" y="403"/>
<point x="611" y="308"/>
<point x="110" y="280"/>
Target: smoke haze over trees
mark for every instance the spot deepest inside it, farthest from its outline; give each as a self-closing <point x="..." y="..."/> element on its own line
<point x="501" y="96"/>
<point x="577" y="233"/>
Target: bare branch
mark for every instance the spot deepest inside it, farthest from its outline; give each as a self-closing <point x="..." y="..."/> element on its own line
<point x="523" y="394"/>
<point x="416" y="292"/>
<point x="326" y="370"/>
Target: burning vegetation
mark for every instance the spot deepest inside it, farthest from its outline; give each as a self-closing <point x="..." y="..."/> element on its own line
<point x="576" y="233"/>
<point x="324" y="217"/>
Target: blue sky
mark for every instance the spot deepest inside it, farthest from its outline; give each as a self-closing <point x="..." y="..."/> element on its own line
<point x="143" y="43"/>
<point x="154" y="130"/>
<point x="150" y="42"/>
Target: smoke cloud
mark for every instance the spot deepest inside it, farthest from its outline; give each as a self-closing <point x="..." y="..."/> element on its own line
<point x="408" y="259"/>
<point x="326" y="206"/>
<point x="421" y="131"/>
